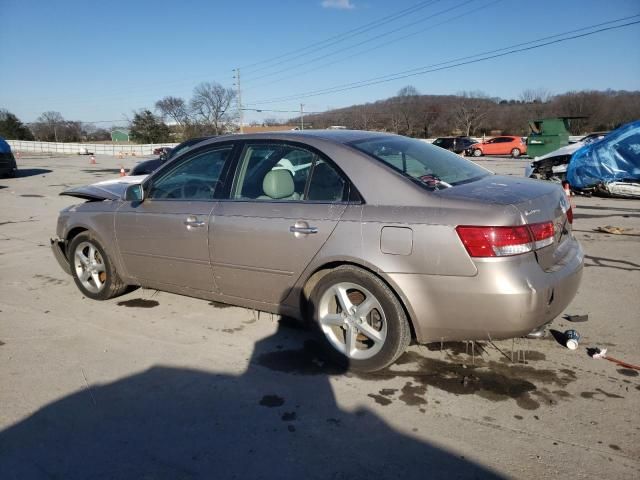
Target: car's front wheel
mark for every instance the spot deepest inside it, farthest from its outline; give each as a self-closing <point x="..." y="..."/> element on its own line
<point x="362" y="321"/>
<point x="92" y="269"/>
<point x="515" y="153"/>
<point x="477" y="152"/>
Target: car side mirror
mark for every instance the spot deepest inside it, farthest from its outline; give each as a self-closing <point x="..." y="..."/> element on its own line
<point x="134" y="193"/>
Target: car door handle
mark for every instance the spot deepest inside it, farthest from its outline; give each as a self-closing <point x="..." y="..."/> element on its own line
<point x="302" y="230"/>
<point x="193" y="222"/>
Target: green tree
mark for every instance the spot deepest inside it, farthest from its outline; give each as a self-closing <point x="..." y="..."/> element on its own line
<point x="147" y="128"/>
<point x="12" y="128"/>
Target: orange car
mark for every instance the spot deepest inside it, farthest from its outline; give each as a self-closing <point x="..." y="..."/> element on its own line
<point x="505" y="145"/>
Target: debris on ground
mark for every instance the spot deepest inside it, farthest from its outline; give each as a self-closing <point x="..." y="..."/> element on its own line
<point x="613" y="230"/>
<point x="571" y="339"/>
<point x="576" y="318"/>
<point x="598" y="353"/>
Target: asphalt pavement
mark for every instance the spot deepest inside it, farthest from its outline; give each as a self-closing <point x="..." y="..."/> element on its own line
<point x="155" y="385"/>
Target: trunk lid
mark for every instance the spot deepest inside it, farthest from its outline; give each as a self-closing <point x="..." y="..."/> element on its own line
<point x="105" y="190"/>
<point x="536" y="201"/>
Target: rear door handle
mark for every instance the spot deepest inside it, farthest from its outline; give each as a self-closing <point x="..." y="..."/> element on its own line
<point x="303" y="230"/>
<point x="193" y="222"/>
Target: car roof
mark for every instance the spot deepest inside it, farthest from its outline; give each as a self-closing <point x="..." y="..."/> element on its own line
<point x="335" y="136"/>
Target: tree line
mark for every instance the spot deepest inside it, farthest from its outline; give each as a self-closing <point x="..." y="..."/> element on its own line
<point x="475" y="113"/>
<point x="211" y="111"/>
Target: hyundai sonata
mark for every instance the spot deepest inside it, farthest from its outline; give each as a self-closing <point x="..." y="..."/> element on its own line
<point x="376" y="239"/>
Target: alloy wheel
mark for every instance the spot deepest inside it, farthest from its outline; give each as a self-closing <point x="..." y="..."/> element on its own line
<point x="353" y="321"/>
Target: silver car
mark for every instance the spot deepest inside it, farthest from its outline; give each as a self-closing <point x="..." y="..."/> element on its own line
<point x="376" y="239"/>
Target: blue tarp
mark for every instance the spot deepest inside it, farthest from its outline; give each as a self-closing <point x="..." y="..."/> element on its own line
<point x="4" y="146"/>
<point x="615" y="158"/>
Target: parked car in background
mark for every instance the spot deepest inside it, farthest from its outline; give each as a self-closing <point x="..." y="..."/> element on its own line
<point x="503" y="145"/>
<point x="8" y="165"/>
<point x="455" y="144"/>
<point x="162" y="151"/>
<point x="148" y="166"/>
<point x="374" y="238"/>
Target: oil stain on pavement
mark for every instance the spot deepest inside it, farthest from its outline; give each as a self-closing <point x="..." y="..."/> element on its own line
<point x="492" y="380"/>
<point x="139" y="303"/>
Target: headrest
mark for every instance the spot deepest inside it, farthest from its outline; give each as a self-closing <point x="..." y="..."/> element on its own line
<point x="278" y="184"/>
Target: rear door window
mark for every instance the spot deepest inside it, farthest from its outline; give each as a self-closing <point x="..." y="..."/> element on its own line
<point x="283" y="172"/>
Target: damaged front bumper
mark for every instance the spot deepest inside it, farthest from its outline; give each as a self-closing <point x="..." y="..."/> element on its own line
<point x="59" y="248"/>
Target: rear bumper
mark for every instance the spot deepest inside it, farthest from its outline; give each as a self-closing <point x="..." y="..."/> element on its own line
<point x="58" y="247"/>
<point x="508" y="298"/>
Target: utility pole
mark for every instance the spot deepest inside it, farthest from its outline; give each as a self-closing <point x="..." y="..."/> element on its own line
<point x="237" y="77"/>
<point x="302" y="116"/>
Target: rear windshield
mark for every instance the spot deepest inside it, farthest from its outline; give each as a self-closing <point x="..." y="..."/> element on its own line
<point x="431" y="166"/>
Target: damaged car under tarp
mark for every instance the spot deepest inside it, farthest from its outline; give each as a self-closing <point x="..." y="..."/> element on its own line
<point x="603" y="163"/>
<point x="610" y="166"/>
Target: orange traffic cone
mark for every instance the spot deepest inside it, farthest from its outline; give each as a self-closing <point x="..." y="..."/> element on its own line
<point x="122" y="172"/>
<point x="93" y="160"/>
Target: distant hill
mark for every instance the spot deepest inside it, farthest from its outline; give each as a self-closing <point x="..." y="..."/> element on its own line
<point x="473" y="113"/>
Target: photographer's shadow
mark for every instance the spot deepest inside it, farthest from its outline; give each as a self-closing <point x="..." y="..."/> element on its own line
<point x="279" y="419"/>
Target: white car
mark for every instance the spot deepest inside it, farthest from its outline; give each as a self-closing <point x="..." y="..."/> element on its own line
<point x="553" y="165"/>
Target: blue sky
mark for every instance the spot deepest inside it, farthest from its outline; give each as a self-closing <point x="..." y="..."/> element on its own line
<point x="100" y="61"/>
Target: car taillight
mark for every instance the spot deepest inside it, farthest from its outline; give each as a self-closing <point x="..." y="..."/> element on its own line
<point x="483" y="241"/>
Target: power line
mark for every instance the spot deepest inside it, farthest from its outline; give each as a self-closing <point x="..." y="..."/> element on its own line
<point x="340" y="37"/>
<point x="261" y="110"/>
<point x="375" y="47"/>
<point x="363" y="42"/>
<point x="430" y="68"/>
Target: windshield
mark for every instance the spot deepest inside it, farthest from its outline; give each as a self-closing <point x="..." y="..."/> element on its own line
<point x="432" y="166"/>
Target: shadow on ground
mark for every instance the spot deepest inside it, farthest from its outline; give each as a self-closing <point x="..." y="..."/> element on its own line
<point x="172" y="423"/>
<point x="31" y="172"/>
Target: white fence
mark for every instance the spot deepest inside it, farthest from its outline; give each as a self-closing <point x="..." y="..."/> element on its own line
<point x="83" y="148"/>
<point x="113" y="149"/>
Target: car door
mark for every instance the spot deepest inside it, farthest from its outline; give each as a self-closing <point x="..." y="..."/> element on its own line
<point x="284" y="203"/>
<point x="490" y="147"/>
<point x="503" y="146"/>
<point x="163" y="240"/>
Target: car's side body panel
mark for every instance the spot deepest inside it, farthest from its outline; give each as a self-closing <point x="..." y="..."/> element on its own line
<point x="254" y="253"/>
<point x="166" y="241"/>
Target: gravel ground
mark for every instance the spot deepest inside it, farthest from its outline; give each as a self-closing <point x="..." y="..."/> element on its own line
<point x="156" y="385"/>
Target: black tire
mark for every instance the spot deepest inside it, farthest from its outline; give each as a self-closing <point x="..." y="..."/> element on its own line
<point x="515" y="153"/>
<point x="477" y="152"/>
<point x="112" y="285"/>
<point x="397" y="333"/>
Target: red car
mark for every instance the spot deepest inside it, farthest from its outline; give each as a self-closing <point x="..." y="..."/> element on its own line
<point x="505" y="145"/>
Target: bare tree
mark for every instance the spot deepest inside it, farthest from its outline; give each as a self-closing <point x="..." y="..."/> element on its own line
<point x="408" y="91"/>
<point x="175" y="108"/>
<point x="48" y="126"/>
<point x="273" y="122"/>
<point x="210" y="105"/>
<point x="470" y="110"/>
<point x="537" y="95"/>
<point x="427" y="114"/>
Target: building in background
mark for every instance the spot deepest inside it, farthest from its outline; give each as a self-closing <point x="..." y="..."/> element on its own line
<point x="120" y="135"/>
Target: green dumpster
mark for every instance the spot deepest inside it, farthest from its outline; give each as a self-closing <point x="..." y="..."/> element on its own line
<point x="547" y="135"/>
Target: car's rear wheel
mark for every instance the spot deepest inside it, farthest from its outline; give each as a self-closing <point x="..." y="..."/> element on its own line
<point x="515" y="153"/>
<point x="92" y="269"/>
<point x="361" y="320"/>
<point x="477" y="152"/>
